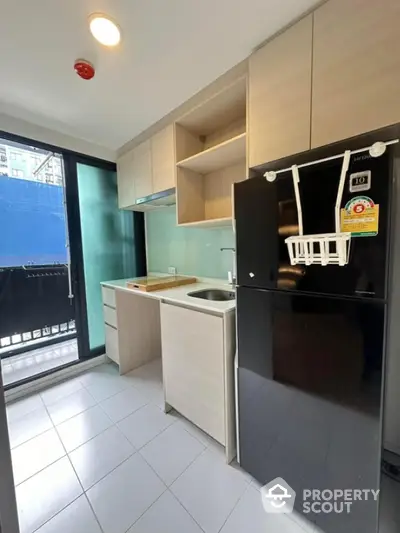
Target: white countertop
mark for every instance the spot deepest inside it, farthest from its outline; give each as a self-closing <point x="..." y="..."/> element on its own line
<point x="179" y="295"/>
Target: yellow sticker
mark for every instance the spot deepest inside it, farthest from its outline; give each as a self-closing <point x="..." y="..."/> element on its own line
<point x="360" y="217"/>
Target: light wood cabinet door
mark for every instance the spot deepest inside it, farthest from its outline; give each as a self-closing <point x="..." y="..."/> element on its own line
<point x="142" y="169"/>
<point x="163" y="159"/>
<point x="280" y="95"/>
<point x="356" y="68"/>
<point x="193" y="368"/>
<point x="126" y="181"/>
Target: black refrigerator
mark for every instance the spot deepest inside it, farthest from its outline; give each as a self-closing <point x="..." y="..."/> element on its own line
<point x="311" y="339"/>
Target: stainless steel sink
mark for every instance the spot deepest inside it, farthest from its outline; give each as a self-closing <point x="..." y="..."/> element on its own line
<point x="217" y="295"/>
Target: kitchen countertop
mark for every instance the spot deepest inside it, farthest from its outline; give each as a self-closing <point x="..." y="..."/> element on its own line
<point x="179" y="295"/>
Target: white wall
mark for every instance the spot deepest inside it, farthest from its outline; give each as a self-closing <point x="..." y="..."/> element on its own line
<point x="39" y="133"/>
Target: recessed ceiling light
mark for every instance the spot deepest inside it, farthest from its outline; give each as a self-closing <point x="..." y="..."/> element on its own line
<point x="104" y="30"/>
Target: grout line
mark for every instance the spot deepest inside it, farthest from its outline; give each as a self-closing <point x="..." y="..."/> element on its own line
<point x="234" y="507"/>
<point x="135" y="450"/>
<point x="144" y="512"/>
<point x="184" y="508"/>
<point x="94" y="514"/>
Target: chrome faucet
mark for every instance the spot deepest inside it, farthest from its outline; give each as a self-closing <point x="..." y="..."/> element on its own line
<point x="232" y="274"/>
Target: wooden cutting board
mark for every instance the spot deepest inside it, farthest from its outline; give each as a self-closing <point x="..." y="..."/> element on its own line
<point x="156" y="283"/>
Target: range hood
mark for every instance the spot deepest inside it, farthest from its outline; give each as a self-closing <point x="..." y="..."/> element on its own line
<point x="157" y="200"/>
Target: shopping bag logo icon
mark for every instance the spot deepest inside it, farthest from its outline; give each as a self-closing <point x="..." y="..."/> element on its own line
<point x="277" y="496"/>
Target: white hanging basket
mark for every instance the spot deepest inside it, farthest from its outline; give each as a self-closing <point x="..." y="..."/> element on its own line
<point x="323" y="249"/>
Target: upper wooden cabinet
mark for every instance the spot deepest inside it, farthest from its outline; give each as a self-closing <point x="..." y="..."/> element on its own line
<point x="356" y="68"/>
<point x="163" y="159"/>
<point x="126" y="184"/>
<point x="280" y="95"/>
<point x="142" y="169"/>
<point x="146" y="169"/>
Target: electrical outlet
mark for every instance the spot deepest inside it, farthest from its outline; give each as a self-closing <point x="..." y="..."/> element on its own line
<point x="172" y="270"/>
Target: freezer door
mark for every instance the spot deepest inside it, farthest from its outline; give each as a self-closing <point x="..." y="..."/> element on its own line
<point x="309" y="385"/>
<point x="266" y="214"/>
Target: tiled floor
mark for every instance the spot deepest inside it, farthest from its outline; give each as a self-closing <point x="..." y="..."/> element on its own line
<point x="96" y="454"/>
<point x="34" y="362"/>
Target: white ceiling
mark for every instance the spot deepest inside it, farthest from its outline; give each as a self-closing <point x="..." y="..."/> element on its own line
<point x="170" y="50"/>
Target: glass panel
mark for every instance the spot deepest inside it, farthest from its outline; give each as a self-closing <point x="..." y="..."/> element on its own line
<point x="34" y="263"/>
<point x="107" y="241"/>
<point x="191" y="251"/>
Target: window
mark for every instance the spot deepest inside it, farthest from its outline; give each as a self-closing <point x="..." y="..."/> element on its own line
<point x="17" y="173"/>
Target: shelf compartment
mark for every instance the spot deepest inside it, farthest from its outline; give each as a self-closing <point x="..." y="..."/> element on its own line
<point x="205" y="200"/>
<point x="223" y="222"/>
<point x="222" y="155"/>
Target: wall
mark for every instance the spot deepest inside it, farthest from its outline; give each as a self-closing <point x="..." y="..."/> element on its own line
<point x="192" y="251"/>
<point x="39" y="133"/>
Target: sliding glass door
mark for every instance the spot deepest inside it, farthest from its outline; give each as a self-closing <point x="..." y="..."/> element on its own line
<point x="63" y="234"/>
<point x="106" y="244"/>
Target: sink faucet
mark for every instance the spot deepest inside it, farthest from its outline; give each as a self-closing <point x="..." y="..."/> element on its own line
<point x="231" y="274"/>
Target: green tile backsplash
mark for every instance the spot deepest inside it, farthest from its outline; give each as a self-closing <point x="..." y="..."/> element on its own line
<point x="193" y="251"/>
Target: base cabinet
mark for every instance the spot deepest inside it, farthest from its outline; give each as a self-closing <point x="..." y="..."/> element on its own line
<point x="197" y="357"/>
<point x="132" y="328"/>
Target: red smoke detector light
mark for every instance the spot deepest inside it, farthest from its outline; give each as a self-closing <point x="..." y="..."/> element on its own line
<point x="84" y="69"/>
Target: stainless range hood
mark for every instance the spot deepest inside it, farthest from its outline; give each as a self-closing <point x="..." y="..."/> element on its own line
<point x="156" y="200"/>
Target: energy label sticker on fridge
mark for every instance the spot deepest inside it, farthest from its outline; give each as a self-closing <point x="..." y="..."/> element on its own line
<point x="360" y="217"/>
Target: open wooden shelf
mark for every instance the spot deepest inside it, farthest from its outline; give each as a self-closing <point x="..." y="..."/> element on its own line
<point x="211" y="223"/>
<point x="210" y="150"/>
<point x="222" y="155"/>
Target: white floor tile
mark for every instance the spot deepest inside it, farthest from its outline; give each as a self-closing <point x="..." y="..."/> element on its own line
<point x="49" y="365"/>
<point x="59" y="391"/>
<point x="200" y="435"/>
<point x="143" y="425"/>
<point x="249" y="514"/>
<point x="42" y="496"/>
<point x="95" y="459"/>
<point x="23" y="407"/>
<point x="147" y="379"/>
<point x="24" y="373"/>
<point x="123" y="404"/>
<point x="73" y="356"/>
<point x="78" y="517"/>
<point x="26" y="362"/>
<point x="83" y="427"/>
<point x="29" y="426"/>
<point x="166" y="515"/>
<point x="172" y="452"/>
<point x="102" y="386"/>
<point x="70" y="406"/>
<point x="209" y="490"/>
<point x="34" y="455"/>
<point x="125" y="494"/>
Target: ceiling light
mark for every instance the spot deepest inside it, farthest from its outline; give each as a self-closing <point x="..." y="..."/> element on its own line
<point x="104" y="29"/>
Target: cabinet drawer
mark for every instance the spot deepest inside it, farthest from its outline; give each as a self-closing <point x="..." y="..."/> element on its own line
<point x="108" y="296"/>
<point x="110" y="316"/>
<point x="112" y="348"/>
